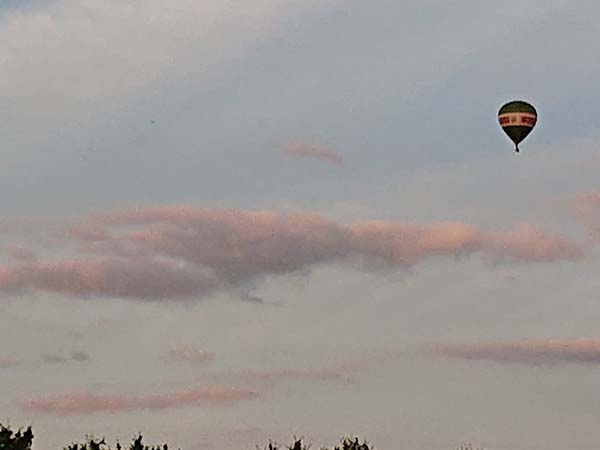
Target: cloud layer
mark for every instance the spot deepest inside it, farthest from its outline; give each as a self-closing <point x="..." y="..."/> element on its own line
<point x="327" y="374"/>
<point x="187" y="354"/>
<point x="6" y="362"/>
<point x="85" y="70"/>
<point x="89" y="403"/>
<point x="108" y="277"/>
<point x="587" y="210"/>
<point x="183" y="252"/>
<point x="526" y="352"/>
<point x="299" y="150"/>
<point x="56" y="358"/>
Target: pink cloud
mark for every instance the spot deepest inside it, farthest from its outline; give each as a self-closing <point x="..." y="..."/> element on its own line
<point x="527" y="352"/>
<point x="587" y="203"/>
<point x="7" y="362"/>
<point x="88" y="403"/>
<point x="529" y="244"/>
<point x="187" y="252"/>
<point x="142" y="279"/>
<point x="299" y="150"/>
<point x="280" y="243"/>
<point x="407" y="244"/>
<point x="187" y="354"/>
<point x="345" y="373"/>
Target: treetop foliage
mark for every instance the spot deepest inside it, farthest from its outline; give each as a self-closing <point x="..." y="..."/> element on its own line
<point x="15" y="440"/>
<point x="467" y="446"/>
<point x="94" y="444"/>
<point x="23" y="440"/>
<point x="346" y="444"/>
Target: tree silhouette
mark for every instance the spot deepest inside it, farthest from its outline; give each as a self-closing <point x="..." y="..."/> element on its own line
<point x="138" y="445"/>
<point x="346" y="444"/>
<point x="467" y="446"/>
<point x="92" y="444"/>
<point x="353" y="444"/>
<point x="19" y="440"/>
<point x="297" y="445"/>
<point x="23" y="440"/>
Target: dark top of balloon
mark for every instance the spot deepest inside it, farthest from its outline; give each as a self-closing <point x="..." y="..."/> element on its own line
<point x="517" y="106"/>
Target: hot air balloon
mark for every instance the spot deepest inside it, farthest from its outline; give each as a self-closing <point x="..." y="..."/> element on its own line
<point x="517" y="119"/>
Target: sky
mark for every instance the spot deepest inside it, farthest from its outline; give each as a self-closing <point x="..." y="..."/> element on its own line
<point x="227" y="222"/>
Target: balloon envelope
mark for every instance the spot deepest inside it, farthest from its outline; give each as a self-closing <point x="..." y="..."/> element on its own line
<point x="517" y="119"/>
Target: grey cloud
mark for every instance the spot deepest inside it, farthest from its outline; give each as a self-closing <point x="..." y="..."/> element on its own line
<point x="577" y="351"/>
<point x="300" y="150"/>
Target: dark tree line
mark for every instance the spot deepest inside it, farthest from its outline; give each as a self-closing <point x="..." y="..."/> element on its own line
<point x="93" y="444"/>
<point x="22" y="439"/>
<point x="15" y="440"/>
<point x="346" y="444"/>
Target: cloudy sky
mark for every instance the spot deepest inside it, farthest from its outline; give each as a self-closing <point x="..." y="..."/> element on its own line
<point x="223" y="222"/>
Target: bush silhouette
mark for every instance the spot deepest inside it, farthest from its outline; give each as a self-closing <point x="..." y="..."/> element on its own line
<point x="92" y="444"/>
<point x="15" y="440"/>
<point x="346" y="444"/>
<point x="22" y="439"/>
<point x="353" y="444"/>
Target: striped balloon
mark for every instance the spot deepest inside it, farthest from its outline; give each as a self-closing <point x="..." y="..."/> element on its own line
<point x="517" y="119"/>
